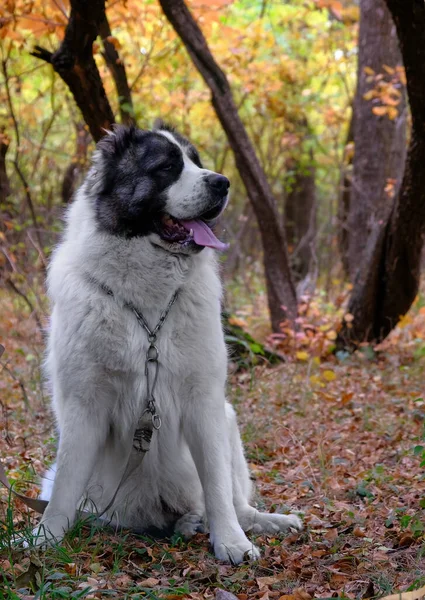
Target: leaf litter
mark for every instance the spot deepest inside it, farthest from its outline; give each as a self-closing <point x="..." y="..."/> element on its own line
<point x="330" y="438"/>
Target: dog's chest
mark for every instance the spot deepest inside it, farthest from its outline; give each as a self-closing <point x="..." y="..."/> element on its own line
<point x="189" y="347"/>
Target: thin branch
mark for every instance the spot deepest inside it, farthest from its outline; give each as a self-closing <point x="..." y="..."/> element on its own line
<point x="39" y="250"/>
<point x="43" y="139"/>
<point x="28" y="302"/>
<point x="15" y="161"/>
<point x="19" y="382"/>
<point x="118" y="72"/>
<point x="263" y="8"/>
<point x="61" y="7"/>
<point x="9" y="260"/>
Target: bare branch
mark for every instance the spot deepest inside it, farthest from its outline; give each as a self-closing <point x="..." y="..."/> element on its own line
<point x="117" y="69"/>
<point x="15" y="161"/>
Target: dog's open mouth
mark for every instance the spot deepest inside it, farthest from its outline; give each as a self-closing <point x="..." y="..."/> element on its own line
<point x="183" y="232"/>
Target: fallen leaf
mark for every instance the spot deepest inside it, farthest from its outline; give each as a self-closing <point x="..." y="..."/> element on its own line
<point x="150" y="582"/>
<point x="329" y="375"/>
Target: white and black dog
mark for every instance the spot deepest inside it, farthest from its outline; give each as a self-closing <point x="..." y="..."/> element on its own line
<point x="138" y="231"/>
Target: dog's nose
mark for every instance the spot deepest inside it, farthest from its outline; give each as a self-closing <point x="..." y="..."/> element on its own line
<point x="219" y="184"/>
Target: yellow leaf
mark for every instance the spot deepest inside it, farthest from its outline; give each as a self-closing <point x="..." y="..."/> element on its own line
<point x="331" y="335"/>
<point x="368" y="71"/>
<point x="302" y="355"/>
<point x="237" y="321"/>
<point x="315" y="380"/>
<point x="389" y="70"/>
<point x="406" y="320"/>
<point x="348" y="317"/>
<point x="370" y="94"/>
<point x="380" y="111"/>
<point x="401" y="74"/>
<point x="329" y="375"/>
<point x="114" y="41"/>
<point x="392" y="112"/>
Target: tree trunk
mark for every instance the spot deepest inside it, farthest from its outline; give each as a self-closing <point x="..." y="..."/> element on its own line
<point x="280" y="288"/>
<point x="344" y="197"/>
<point x="300" y="221"/>
<point x="77" y="166"/>
<point x="75" y="64"/>
<point x="379" y="142"/>
<point x="389" y="280"/>
<point x="118" y="72"/>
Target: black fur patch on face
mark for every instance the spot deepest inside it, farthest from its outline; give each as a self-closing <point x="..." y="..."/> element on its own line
<point x="137" y="167"/>
<point x="189" y="148"/>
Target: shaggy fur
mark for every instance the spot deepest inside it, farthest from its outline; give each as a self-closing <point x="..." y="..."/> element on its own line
<point x="195" y="474"/>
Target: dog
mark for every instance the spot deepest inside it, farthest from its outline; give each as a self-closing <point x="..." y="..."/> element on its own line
<point x="139" y="230"/>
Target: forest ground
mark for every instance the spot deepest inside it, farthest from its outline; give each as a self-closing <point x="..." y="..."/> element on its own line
<point x="338" y="439"/>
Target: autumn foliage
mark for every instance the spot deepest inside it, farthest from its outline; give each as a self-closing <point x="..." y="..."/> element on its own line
<point x="336" y="434"/>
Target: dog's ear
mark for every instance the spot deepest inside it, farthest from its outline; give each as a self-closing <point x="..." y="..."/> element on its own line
<point x="115" y="142"/>
<point x="159" y="124"/>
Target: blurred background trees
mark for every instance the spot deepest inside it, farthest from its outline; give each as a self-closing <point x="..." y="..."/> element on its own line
<point x="305" y="112"/>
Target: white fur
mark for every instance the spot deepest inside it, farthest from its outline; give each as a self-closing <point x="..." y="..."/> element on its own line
<point x="187" y="194"/>
<point x="95" y="363"/>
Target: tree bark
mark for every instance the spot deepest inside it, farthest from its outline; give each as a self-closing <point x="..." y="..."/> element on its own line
<point x="118" y="72"/>
<point x="379" y="142"/>
<point x="344" y="198"/>
<point x="280" y="288"/>
<point x="77" y="166"/>
<point x="75" y="64"/>
<point x="389" y="281"/>
<point x="300" y="221"/>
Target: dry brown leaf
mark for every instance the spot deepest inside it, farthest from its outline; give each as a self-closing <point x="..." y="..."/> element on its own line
<point x="331" y="534"/>
<point x="263" y="582"/>
<point x="150" y="582"/>
<point x="414" y="595"/>
<point x="359" y="532"/>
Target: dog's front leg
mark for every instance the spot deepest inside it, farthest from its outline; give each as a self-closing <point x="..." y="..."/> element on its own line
<point x="206" y="432"/>
<point x="81" y="436"/>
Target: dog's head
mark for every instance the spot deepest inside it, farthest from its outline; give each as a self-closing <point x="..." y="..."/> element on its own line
<point x="152" y="183"/>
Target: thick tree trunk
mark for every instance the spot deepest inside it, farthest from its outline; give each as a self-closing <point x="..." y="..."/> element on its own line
<point x="389" y="281"/>
<point x="379" y="142"/>
<point x="300" y="221"/>
<point x="280" y="288"/>
<point x="74" y="62"/>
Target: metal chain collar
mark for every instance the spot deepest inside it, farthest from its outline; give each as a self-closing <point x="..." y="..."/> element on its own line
<point x="143" y="433"/>
<point x="150" y="419"/>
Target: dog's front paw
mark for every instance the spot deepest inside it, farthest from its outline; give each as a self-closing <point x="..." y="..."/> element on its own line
<point x="190" y="524"/>
<point x="251" y="519"/>
<point x="236" y="549"/>
<point x="274" y="523"/>
<point x="49" y="532"/>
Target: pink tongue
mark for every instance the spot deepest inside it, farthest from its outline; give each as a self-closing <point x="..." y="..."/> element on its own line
<point x="203" y="235"/>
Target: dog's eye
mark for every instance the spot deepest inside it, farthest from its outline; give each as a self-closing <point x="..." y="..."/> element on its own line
<point x="167" y="168"/>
